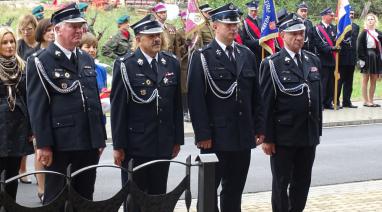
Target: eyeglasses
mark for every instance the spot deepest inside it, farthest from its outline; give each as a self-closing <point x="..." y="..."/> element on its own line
<point x="29" y="29"/>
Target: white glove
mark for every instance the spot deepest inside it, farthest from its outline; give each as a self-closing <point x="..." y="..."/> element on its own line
<point x="361" y="63"/>
<point x="105" y="103"/>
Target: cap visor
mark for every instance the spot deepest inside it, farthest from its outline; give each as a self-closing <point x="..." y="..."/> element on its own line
<point x="152" y="31"/>
<point x="75" y="20"/>
<point x="295" y="28"/>
<point x="229" y="21"/>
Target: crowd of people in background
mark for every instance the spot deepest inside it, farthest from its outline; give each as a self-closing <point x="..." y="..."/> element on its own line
<point x="153" y="44"/>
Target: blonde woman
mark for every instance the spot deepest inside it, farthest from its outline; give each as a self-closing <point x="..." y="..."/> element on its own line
<point x="370" y="58"/>
<point x="15" y="133"/>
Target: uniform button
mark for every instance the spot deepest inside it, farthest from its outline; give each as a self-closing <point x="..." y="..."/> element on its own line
<point x="160" y="109"/>
<point x="240" y="101"/>
<point x="86" y="97"/>
<point x="79" y="75"/>
<point x="58" y="123"/>
<point x="160" y="121"/>
<point x="240" y="113"/>
<point x="238" y="89"/>
<point x="89" y="109"/>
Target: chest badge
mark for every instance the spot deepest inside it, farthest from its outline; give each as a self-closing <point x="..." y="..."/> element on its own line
<point x="218" y="52"/>
<point x="163" y="61"/>
<point x="64" y="85"/>
<point x="143" y="92"/>
<point x="140" y="62"/>
<point x="57" y="53"/>
<point x="67" y="75"/>
<point x="165" y="80"/>
<point x="287" y="60"/>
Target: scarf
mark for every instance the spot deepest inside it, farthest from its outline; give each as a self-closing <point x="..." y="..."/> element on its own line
<point x="10" y="75"/>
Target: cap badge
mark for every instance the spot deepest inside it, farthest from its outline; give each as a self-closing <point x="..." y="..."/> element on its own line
<point x="231" y="7"/>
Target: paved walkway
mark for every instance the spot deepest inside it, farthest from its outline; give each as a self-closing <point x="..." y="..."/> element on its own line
<point x="332" y="118"/>
<point x="350" y="197"/>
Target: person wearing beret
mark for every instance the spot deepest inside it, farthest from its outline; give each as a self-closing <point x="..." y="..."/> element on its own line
<point x="146" y="108"/>
<point x="347" y="62"/>
<point x="324" y="40"/>
<point x="38" y="12"/>
<point x="225" y="105"/>
<point x="121" y="43"/>
<point x="169" y="31"/>
<point x="183" y="42"/>
<point x="291" y="90"/>
<point x="252" y="29"/>
<point x="64" y="106"/>
<point x="302" y="10"/>
<point x="206" y="33"/>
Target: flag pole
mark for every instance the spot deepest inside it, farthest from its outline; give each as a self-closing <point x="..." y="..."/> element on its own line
<point x="262" y="54"/>
<point x="336" y="78"/>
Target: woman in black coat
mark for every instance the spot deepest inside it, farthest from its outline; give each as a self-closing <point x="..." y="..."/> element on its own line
<point x="370" y="58"/>
<point x="15" y="133"/>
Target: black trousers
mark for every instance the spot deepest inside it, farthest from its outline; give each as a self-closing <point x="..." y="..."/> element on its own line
<point x="291" y="166"/>
<point x="231" y="172"/>
<point x="327" y="76"/>
<point x="151" y="179"/>
<point x="185" y="103"/>
<point x="346" y="83"/>
<point x="11" y="165"/>
<point x="83" y="183"/>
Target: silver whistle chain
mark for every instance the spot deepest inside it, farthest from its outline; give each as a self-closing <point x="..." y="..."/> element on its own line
<point x="211" y="83"/>
<point x="42" y="74"/>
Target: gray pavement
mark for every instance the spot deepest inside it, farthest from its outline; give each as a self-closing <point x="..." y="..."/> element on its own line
<point x="355" y="157"/>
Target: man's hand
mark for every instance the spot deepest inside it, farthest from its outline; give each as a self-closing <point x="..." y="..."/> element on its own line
<point x="259" y="139"/>
<point x="269" y="148"/>
<point x="45" y="156"/>
<point x="335" y="48"/>
<point x="100" y="151"/>
<point x="175" y="150"/>
<point x="206" y="144"/>
<point x="119" y="156"/>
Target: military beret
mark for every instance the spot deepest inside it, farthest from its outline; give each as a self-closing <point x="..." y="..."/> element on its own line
<point x="37" y="9"/>
<point x="82" y="6"/>
<point x="123" y="19"/>
<point x="160" y="7"/>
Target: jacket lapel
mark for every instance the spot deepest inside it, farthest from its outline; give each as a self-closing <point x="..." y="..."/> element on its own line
<point x="162" y="65"/>
<point x="290" y="63"/>
<point x="222" y="57"/>
<point x="239" y="60"/>
<point x="61" y="57"/>
<point x="145" y="66"/>
<point x="305" y="64"/>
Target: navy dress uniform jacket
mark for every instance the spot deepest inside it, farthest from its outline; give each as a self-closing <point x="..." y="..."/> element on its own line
<point x="321" y="46"/>
<point x="147" y="130"/>
<point x="348" y="53"/>
<point x="65" y="122"/>
<point x="231" y="123"/>
<point x="289" y="121"/>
